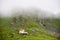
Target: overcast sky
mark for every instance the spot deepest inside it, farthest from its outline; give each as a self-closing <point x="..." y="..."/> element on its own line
<point x="47" y="5"/>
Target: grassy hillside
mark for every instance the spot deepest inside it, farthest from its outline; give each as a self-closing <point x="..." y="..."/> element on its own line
<point x="9" y="28"/>
<point x="55" y="22"/>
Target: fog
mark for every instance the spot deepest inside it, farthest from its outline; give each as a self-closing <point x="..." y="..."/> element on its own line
<point x="49" y="7"/>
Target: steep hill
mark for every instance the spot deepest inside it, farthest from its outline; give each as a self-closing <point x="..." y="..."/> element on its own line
<point x="9" y="28"/>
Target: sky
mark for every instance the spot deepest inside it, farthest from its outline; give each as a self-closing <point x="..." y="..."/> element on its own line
<point x="47" y="5"/>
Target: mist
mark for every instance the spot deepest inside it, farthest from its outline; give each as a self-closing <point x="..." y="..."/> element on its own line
<point x="48" y="8"/>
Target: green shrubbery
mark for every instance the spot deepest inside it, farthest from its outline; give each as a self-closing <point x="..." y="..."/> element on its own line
<point x="9" y="28"/>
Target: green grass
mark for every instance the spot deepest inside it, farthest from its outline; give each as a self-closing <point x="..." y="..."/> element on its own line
<point x="56" y="23"/>
<point x="35" y="30"/>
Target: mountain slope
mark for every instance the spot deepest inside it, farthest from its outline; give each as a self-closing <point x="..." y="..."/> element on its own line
<point x="10" y="27"/>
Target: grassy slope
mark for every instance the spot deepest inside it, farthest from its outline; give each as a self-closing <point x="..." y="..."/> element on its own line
<point x="36" y="31"/>
<point x="56" y="22"/>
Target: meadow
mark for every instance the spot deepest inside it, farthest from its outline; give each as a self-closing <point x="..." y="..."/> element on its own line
<point x="9" y="27"/>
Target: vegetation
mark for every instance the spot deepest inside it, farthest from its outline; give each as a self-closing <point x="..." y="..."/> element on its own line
<point x="9" y="28"/>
